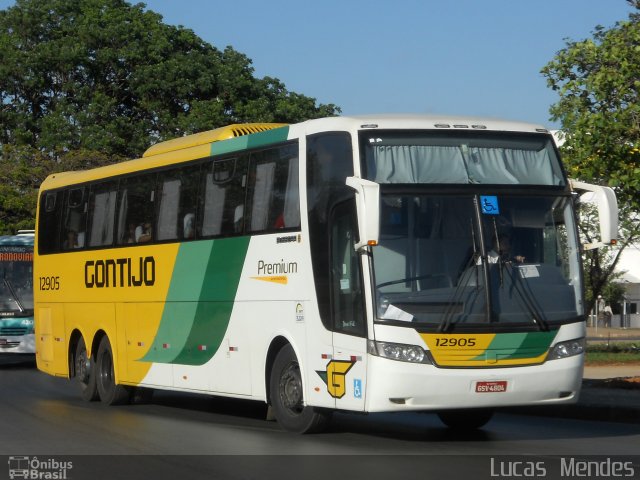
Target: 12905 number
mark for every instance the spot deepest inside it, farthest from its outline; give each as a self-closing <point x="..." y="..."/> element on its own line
<point x="455" y="342"/>
<point x="49" y="283"/>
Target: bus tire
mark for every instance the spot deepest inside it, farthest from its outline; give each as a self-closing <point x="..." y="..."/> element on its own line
<point x="84" y="372"/>
<point x="110" y="393"/>
<point x="467" y="419"/>
<point x="286" y="396"/>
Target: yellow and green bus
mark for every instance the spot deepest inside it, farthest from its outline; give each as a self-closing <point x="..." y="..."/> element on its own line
<point x="375" y="263"/>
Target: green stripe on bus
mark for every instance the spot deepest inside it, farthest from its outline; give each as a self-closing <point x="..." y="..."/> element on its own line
<point x="519" y="345"/>
<point x="217" y="296"/>
<point x="200" y="300"/>
<point x="255" y="140"/>
<point x="533" y="345"/>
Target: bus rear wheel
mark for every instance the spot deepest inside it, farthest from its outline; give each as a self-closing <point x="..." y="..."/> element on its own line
<point x="286" y="396"/>
<point x="110" y="393"/>
<point x="84" y="370"/>
<point x="467" y="419"/>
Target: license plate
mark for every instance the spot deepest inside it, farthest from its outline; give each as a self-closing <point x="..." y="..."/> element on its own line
<point x="497" y="386"/>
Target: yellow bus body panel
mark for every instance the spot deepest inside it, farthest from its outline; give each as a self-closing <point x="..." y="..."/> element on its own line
<point x="126" y="313"/>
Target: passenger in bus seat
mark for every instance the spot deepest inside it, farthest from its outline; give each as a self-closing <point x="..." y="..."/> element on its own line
<point x="188" y="226"/>
<point x="71" y="241"/>
<point x="279" y="221"/>
<point x="143" y="232"/>
<point x="130" y="234"/>
<point x="238" y="218"/>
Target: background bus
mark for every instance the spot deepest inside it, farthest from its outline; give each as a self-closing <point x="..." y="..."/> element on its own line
<point x="16" y="294"/>
<point x="357" y="263"/>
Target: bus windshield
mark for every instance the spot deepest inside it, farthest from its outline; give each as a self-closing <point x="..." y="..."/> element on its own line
<point x="16" y="284"/>
<point x="460" y="157"/>
<point x="445" y="260"/>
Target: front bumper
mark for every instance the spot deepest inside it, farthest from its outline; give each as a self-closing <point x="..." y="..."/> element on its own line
<point x="400" y="386"/>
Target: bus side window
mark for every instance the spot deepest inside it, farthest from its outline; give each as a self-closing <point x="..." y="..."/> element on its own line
<point x="222" y="200"/>
<point x="102" y="209"/>
<point x="329" y="162"/>
<point x="49" y="225"/>
<point x="274" y="189"/>
<point x="136" y="210"/>
<point x="75" y="219"/>
<point x="346" y="276"/>
<point x="178" y="193"/>
<point x="288" y="185"/>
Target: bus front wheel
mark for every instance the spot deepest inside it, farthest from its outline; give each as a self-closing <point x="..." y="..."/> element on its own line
<point x="110" y="393"/>
<point x="84" y="370"/>
<point x="286" y="396"/>
<point x="467" y="419"/>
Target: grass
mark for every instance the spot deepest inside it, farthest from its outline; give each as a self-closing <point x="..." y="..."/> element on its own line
<point x="618" y="353"/>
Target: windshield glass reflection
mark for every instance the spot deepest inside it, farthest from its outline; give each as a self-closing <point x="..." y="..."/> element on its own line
<point x="16" y="284"/>
<point x="444" y="260"/>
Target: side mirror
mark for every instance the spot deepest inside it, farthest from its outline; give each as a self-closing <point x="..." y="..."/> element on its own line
<point x="367" y="209"/>
<point x="605" y="200"/>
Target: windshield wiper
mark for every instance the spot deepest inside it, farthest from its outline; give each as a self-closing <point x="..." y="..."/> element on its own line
<point x="445" y="324"/>
<point x="525" y="296"/>
<point x="14" y="295"/>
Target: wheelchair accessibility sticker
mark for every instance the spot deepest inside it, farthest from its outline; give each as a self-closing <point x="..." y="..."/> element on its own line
<point x="357" y="388"/>
<point x="489" y="205"/>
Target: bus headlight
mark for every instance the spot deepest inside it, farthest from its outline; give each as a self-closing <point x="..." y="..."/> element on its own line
<point x="399" y="351"/>
<point x="567" y="349"/>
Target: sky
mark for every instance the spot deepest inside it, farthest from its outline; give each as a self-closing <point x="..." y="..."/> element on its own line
<point x="458" y="57"/>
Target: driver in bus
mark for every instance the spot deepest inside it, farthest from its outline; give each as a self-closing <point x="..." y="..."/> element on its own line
<point x="501" y="249"/>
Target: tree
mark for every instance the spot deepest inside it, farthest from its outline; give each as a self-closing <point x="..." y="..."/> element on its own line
<point x="24" y="168"/>
<point x="88" y="82"/>
<point x="104" y="75"/>
<point x="598" y="80"/>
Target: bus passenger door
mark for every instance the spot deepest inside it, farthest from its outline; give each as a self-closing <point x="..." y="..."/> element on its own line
<point x="346" y="373"/>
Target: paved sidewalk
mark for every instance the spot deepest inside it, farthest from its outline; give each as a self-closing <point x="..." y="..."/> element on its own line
<point x="615" y="334"/>
<point x="611" y="371"/>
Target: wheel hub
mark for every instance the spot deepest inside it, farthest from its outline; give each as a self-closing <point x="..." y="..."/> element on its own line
<point x="291" y="389"/>
<point x="82" y="368"/>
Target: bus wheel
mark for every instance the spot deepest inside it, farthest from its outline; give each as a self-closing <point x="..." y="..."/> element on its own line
<point x="286" y="396"/>
<point x="110" y="393"/>
<point x="84" y="369"/>
<point x="468" y="419"/>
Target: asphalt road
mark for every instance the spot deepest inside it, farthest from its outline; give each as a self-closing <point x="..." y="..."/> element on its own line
<point x="44" y="416"/>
